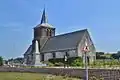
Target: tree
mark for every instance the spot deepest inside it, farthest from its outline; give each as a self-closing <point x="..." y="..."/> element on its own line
<point x="99" y="55"/>
<point x="1" y="61"/>
<point x="18" y="60"/>
<point x="118" y="53"/>
<point x="115" y="56"/>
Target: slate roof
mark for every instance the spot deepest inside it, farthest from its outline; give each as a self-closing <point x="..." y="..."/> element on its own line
<point x="44" y="25"/>
<point x="64" y="41"/>
<point x="44" y="21"/>
<point x="28" y="50"/>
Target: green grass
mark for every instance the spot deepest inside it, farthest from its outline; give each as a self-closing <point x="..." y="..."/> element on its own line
<point x="31" y="76"/>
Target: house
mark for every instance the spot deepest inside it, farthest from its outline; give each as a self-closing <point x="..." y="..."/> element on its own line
<point x="46" y="45"/>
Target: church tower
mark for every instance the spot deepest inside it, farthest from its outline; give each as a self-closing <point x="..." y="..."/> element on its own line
<point x="42" y="32"/>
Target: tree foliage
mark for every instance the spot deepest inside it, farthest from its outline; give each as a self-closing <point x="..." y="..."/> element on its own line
<point x="1" y="61"/>
<point x="99" y="55"/>
<point x="116" y="56"/>
<point x="16" y="60"/>
<point x="77" y="62"/>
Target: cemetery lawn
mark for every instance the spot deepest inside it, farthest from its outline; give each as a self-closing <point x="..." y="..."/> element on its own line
<point x="31" y="76"/>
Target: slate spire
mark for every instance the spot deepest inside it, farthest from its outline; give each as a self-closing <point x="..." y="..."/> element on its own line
<point x="44" y="18"/>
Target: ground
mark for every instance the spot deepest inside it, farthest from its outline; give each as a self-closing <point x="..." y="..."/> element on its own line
<point x="31" y="76"/>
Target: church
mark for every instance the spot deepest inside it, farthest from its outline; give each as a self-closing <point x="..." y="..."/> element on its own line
<point x="46" y="45"/>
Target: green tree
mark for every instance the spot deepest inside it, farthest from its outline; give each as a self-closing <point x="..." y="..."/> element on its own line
<point x="1" y="61"/>
<point x="115" y="56"/>
<point x="99" y="55"/>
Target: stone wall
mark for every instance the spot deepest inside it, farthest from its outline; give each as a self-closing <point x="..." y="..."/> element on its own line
<point x="60" y="54"/>
<point x="107" y="74"/>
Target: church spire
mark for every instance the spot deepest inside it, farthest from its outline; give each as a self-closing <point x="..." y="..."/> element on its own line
<point x="44" y="18"/>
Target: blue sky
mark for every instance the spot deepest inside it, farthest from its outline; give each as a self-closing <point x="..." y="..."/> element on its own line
<point x="18" y="17"/>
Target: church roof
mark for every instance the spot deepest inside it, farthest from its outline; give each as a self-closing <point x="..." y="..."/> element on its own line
<point x="63" y="42"/>
<point x="44" y="25"/>
<point x="28" y="50"/>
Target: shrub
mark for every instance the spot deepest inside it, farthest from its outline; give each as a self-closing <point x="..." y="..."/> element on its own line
<point x="77" y="62"/>
<point x="72" y="61"/>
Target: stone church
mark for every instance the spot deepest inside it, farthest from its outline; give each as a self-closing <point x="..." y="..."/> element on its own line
<point x="46" y="45"/>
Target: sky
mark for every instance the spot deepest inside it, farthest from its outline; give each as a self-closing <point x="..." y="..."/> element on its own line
<point x="19" y="17"/>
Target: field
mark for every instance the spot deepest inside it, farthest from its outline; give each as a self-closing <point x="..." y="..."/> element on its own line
<point x="31" y="76"/>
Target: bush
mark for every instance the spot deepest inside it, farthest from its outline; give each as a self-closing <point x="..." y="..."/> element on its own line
<point x="73" y="61"/>
<point x="77" y="62"/>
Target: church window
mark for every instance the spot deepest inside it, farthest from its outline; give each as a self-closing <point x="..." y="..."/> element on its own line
<point x="42" y="56"/>
<point x="49" y="32"/>
<point x="54" y="55"/>
<point x="66" y="54"/>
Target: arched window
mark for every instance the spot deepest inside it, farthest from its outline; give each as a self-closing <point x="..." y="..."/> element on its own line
<point x="49" y="32"/>
<point x="66" y="54"/>
<point x="54" y="55"/>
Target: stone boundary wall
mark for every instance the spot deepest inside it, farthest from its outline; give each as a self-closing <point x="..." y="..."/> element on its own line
<point x="107" y="74"/>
